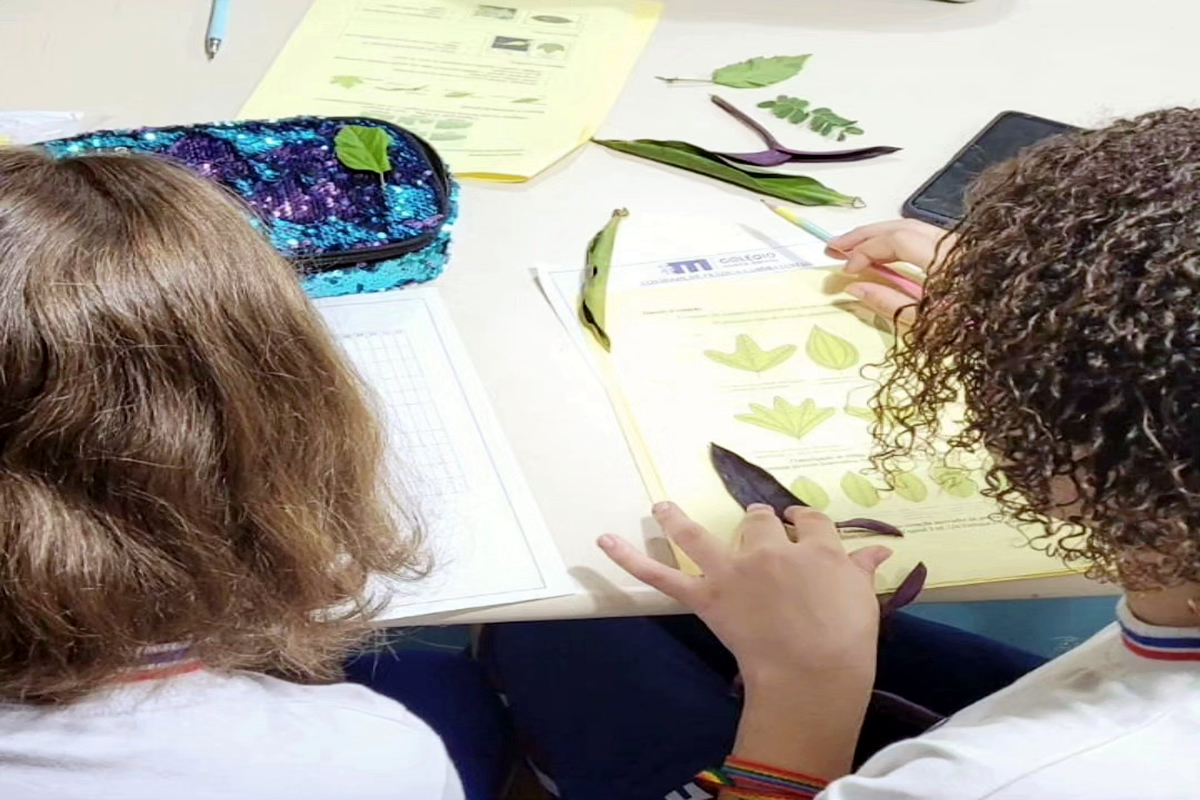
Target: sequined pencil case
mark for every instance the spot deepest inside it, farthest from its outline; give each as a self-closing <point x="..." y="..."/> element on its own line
<point x="346" y="231"/>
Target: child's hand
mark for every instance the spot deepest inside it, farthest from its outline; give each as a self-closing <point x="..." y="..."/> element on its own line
<point x="784" y="609"/>
<point x="885" y="243"/>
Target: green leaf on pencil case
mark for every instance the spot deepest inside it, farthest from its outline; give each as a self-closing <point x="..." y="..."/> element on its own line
<point x="797" y="189"/>
<point x="363" y="148"/>
<point x="594" y="296"/>
<point x="749" y="356"/>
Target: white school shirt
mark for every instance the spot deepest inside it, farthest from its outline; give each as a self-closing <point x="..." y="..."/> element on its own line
<point x="209" y="736"/>
<point x="1117" y="718"/>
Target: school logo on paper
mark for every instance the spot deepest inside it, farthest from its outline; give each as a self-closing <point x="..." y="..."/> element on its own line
<point x="691" y="265"/>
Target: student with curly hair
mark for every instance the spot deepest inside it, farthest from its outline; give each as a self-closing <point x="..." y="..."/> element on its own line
<point x="1063" y="318"/>
<point x="192" y="500"/>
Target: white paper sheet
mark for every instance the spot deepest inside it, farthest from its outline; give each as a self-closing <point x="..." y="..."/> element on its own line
<point x="488" y="540"/>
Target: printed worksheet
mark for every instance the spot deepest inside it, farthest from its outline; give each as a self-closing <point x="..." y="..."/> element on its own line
<point x="501" y="90"/>
<point x="758" y="350"/>
<point x="448" y="457"/>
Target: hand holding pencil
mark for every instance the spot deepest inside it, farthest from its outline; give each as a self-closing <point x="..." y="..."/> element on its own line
<point x="881" y="247"/>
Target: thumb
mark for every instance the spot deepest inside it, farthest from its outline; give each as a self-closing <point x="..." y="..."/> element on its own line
<point x="868" y="559"/>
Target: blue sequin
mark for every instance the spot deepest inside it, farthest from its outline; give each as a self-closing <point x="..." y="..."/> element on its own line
<point x="310" y="204"/>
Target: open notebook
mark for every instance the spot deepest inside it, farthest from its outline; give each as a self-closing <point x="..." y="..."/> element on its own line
<point x="449" y="457"/>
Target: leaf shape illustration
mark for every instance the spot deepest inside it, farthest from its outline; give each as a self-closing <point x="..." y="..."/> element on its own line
<point x="749" y="356"/>
<point x="829" y="350"/>
<point x="795" y="421"/>
<point x="754" y="73"/>
<point x="551" y="47"/>
<point x="811" y="493"/>
<point x="909" y="486"/>
<point x="954" y="481"/>
<point x="860" y="412"/>
<point x="859" y="490"/>
<point x="346" y="81"/>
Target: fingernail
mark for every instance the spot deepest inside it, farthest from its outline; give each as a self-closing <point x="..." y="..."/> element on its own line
<point x="759" y="507"/>
<point x="607" y="541"/>
<point x="662" y="508"/>
<point x="855" y="290"/>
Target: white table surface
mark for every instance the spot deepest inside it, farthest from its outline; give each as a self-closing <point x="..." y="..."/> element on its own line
<point x="920" y="74"/>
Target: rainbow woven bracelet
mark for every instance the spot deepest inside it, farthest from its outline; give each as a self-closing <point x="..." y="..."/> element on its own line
<point x="754" y="781"/>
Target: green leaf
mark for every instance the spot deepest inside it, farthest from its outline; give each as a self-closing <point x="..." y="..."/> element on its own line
<point x="594" y="296"/>
<point x="811" y="493"/>
<point x="954" y="481"/>
<point x="552" y="19"/>
<point x="830" y="351"/>
<point x="755" y="73"/>
<point x="528" y="100"/>
<point x="860" y="490"/>
<point x="793" y="188"/>
<point x="909" y="486"/>
<point x="794" y="421"/>
<point x="346" y="81"/>
<point x="458" y="94"/>
<point x="363" y="148"/>
<point x="749" y="356"/>
<point x="825" y="122"/>
<point x="551" y="47"/>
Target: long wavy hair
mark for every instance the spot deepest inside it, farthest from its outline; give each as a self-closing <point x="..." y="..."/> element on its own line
<point x="184" y="454"/>
<point x="1064" y="325"/>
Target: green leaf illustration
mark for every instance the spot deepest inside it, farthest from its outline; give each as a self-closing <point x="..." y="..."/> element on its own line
<point x="909" y="486"/>
<point x="954" y="481"/>
<point x="551" y="47"/>
<point x="552" y="19"/>
<point x="797" y="189"/>
<point x="528" y="100"/>
<point x="458" y="94"/>
<point x="755" y="73"/>
<point x="595" y="279"/>
<point x="860" y="412"/>
<point x="453" y="124"/>
<point x="364" y="148"/>
<point x="749" y="356"/>
<point x="795" y="421"/>
<point x="811" y="493"/>
<point x="346" y="81"/>
<point x="859" y="490"/>
<point x="830" y="351"/>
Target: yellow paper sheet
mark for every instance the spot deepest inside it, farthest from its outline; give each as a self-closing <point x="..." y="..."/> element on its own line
<point x="674" y="379"/>
<point x="502" y="91"/>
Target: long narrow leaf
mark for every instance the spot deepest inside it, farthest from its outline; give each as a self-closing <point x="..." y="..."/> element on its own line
<point x="798" y="189"/>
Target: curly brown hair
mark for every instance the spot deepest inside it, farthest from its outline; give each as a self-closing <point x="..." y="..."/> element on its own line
<point x="184" y="454"/>
<point x="1066" y="321"/>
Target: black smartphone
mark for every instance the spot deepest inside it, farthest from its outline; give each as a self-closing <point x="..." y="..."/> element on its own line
<point x="940" y="199"/>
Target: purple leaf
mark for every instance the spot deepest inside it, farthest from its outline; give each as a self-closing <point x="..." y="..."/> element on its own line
<point x="749" y="483"/>
<point x="906" y="592"/>
<point x="872" y="525"/>
<point x="777" y="154"/>
<point x="785" y="155"/>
